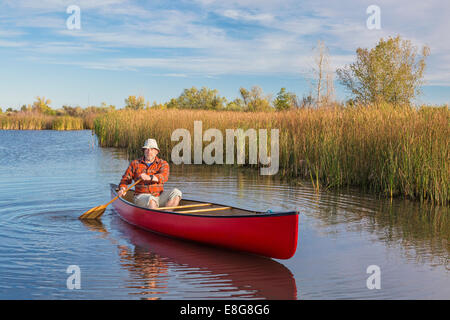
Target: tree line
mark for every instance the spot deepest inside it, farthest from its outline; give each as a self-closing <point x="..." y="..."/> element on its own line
<point x="253" y="99"/>
<point x="42" y="106"/>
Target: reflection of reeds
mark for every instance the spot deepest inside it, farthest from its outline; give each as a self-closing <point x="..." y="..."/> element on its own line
<point x="391" y="151"/>
<point x="421" y="230"/>
<point x="36" y="121"/>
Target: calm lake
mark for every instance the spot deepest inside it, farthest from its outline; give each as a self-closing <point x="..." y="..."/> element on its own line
<point x="49" y="178"/>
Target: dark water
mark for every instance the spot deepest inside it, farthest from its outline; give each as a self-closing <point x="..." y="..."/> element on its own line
<point x="49" y="178"/>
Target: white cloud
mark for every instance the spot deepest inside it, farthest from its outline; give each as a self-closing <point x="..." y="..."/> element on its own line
<point x="55" y="5"/>
<point x="175" y="75"/>
<point x="65" y="48"/>
<point x="246" y="16"/>
<point x="279" y="37"/>
<point x="11" y="44"/>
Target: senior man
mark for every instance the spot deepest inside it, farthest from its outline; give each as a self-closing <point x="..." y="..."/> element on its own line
<point x="154" y="172"/>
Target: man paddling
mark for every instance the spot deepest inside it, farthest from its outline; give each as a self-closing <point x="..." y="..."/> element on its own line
<point x="154" y="172"/>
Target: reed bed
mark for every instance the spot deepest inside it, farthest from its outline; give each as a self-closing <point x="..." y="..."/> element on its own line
<point x="31" y="121"/>
<point x="387" y="150"/>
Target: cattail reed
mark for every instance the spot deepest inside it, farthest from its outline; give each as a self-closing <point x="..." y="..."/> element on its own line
<point x="387" y="150"/>
<point x="36" y="121"/>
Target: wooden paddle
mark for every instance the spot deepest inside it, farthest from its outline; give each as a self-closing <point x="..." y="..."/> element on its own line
<point x="96" y="212"/>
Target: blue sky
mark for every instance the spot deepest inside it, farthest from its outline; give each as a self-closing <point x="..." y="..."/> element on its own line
<point x="158" y="48"/>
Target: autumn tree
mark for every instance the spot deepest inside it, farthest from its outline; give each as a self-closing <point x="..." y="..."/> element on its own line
<point x="255" y="100"/>
<point x="172" y="104"/>
<point x="157" y="105"/>
<point x="285" y="100"/>
<point x="235" y="105"/>
<point x="391" y="72"/>
<point x="26" y="108"/>
<point x="72" y="111"/>
<point x="204" y="98"/>
<point x="135" y="103"/>
<point x="42" y="105"/>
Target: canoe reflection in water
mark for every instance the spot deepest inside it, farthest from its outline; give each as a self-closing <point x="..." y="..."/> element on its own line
<point x="150" y="271"/>
<point x="163" y="267"/>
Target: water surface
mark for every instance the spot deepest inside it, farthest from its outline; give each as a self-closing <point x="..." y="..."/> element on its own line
<point x="49" y="178"/>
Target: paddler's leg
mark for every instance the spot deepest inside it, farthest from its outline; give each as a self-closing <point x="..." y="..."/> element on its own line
<point x="173" y="202"/>
<point x="170" y="199"/>
<point x="152" y="204"/>
<point x="146" y="200"/>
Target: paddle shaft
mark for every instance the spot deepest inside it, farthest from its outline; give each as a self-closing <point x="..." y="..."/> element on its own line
<point x="96" y="212"/>
<point x="126" y="190"/>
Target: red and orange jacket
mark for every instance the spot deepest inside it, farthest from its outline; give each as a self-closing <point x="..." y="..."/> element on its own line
<point x="159" y="168"/>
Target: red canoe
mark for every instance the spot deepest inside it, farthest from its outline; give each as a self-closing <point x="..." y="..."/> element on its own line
<point x="271" y="234"/>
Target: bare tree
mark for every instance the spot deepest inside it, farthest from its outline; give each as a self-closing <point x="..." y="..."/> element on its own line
<point x="323" y="79"/>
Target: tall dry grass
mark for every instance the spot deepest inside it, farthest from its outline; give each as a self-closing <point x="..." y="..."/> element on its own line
<point x="390" y="151"/>
<point x="37" y="121"/>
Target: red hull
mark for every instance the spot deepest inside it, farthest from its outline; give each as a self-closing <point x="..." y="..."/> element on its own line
<point x="273" y="235"/>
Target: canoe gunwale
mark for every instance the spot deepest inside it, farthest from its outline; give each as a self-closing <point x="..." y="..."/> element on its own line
<point x="257" y="214"/>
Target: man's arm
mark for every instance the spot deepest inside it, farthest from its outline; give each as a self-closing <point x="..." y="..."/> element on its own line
<point x="163" y="173"/>
<point x="127" y="178"/>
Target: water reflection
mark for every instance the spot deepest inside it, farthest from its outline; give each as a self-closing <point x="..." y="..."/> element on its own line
<point x="420" y="230"/>
<point x="149" y="271"/>
<point x="340" y="233"/>
<point x="205" y="272"/>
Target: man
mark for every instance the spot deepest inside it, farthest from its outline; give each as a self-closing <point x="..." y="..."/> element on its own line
<point x="154" y="172"/>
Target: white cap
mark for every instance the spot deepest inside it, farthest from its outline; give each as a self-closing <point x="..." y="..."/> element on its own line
<point x="150" y="144"/>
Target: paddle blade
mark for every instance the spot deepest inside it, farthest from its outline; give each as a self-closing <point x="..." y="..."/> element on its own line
<point x="93" y="213"/>
<point x="94" y="225"/>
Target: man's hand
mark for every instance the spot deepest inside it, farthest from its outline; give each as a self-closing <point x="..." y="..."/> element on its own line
<point x="122" y="192"/>
<point x="147" y="177"/>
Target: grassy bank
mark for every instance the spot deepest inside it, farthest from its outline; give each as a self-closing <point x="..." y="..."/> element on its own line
<point x="36" y="121"/>
<point x="390" y="151"/>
